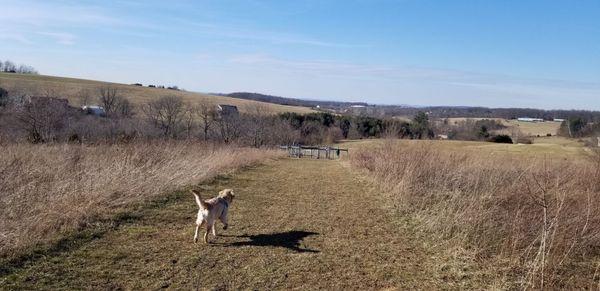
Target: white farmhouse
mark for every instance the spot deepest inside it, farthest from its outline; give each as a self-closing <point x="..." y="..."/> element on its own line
<point x="529" y="119"/>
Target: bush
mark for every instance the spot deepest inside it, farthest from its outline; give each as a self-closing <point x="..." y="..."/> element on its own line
<point x="501" y="138"/>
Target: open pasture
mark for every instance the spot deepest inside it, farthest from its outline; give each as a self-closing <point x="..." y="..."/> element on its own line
<point x="73" y="89"/>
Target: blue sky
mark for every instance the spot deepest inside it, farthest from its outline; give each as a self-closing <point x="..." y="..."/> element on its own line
<point x="542" y="54"/>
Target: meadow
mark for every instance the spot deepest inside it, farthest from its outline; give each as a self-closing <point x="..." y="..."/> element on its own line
<point x="73" y="89"/>
<point x="104" y="213"/>
<point x="49" y="191"/>
<point x="534" y="129"/>
<point x="527" y="219"/>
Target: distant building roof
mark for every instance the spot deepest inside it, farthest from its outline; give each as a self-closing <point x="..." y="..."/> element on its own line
<point x="225" y="109"/>
<point x="94" y="109"/>
<point x="529" y="119"/>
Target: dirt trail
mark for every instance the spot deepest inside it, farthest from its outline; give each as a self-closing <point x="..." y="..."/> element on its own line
<point x="296" y="224"/>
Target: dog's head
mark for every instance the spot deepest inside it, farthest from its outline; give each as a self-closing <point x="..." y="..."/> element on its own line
<point x="227" y="194"/>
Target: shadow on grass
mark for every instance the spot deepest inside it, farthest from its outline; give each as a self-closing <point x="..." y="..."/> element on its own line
<point x="289" y="240"/>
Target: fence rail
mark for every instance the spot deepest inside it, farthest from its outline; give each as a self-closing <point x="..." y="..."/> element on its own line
<point x="314" y="152"/>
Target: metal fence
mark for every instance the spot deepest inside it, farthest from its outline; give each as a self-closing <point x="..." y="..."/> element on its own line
<point x="314" y="152"/>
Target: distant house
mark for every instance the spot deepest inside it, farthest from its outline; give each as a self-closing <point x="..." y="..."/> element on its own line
<point x="94" y="110"/>
<point x="558" y="120"/>
<point x="227" y="110"/>
<point x="529" y="119"/>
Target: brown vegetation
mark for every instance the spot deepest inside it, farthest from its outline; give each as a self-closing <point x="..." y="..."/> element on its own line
<point x="80" y="90"/>
<point x="47" y="190"/>
<point x="528" y="223"/>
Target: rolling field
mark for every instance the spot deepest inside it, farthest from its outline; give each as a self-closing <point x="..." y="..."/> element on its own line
<point x="71" y="88"/>
<point x="544" y="147"/>
<point x="534" y="128"/>
<point x="528" y="128"/>
<point x="393" y="214"/>
<point x="529" y="213"/>
<point x="295" y="224"/>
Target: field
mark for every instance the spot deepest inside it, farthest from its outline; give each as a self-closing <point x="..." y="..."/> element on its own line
<point x="534" y="128"/>
<point x="531" y="216"/>
<point x="299" y="223"/>
<point x="551" y="148"/>
<point x="72" y="88"/>
<point x="528" y="128"/>
<point x="50" y="191"/>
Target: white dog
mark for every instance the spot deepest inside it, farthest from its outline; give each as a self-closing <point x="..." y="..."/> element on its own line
<point x="211" y="210"/>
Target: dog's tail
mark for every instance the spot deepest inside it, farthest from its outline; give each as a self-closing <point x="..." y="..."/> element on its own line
<point x="201" y="203"/>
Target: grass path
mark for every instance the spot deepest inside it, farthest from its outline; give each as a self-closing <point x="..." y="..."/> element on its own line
<point x="295" y="224"/>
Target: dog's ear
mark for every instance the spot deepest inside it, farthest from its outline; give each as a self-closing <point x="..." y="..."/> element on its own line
<point x="231" y="192"/>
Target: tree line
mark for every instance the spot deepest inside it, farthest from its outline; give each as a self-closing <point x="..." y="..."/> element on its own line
<point x="10" y="67"/>
<point x="51" y="119"/>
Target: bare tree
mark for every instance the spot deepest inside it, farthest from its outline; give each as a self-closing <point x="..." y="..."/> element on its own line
<point x="124" y="107"/>
<point x="9" y="67"/>
<point x="189" y="120"/>
<point x="108" y="99"/>
<point x="24" y="69"/>
<point x="228" y="126"/>
<point x="43" y="119"/>
<point x="84" y="97"/>
<point x="207" y="114"/>
<point x="256" y="124"/>
<point x="166" y="114"/>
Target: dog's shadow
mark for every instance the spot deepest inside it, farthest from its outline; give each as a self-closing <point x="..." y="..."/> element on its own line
<point x="289" y="240"/>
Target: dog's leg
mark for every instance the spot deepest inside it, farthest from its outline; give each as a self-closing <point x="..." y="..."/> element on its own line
<point x="207" y="230"/>
<point x="214" y="230"/>
<point x="223" y="219"/>
<point x="196" y="234"/>
<point x="198" y="226"/>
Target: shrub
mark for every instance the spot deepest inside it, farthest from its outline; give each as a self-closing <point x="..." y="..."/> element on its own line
<point x="501" y="138"/>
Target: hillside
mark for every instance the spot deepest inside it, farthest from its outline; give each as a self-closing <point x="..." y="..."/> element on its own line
<point x="293" y="101"/>
<point x="72" y="88"/>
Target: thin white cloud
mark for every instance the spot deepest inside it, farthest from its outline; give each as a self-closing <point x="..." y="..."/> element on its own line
<point x="63" y="38"/>
<point x="272" y="37"/>
<point x="14" y="36"/>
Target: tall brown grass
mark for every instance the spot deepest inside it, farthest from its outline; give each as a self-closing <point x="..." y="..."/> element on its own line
<point x="46" y="190"/>
<point x="534" y="223"/>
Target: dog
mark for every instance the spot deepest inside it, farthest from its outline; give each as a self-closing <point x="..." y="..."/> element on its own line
<point x="211" y="210"/>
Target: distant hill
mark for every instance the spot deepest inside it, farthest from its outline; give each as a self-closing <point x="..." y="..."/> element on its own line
<point x="407" y="111"/>
<point x="484" y="112"/>
<point x="72" y="89"/>
<point x="292" y="101"/>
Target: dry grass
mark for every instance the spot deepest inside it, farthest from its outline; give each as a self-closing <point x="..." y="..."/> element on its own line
<point x="534" y="128"/>
<point x="48" y="190"/>
<point x="526" y="128"/>
<point x="296" y="224"/>
<point x="552" y="148"/>
<point x="71" y="88"/>
<point x="534" y="223"/>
